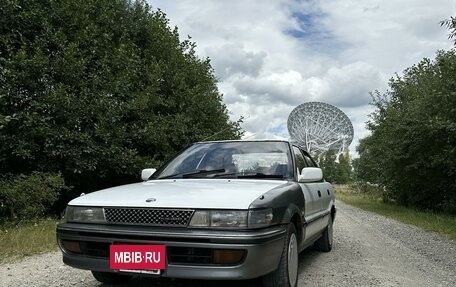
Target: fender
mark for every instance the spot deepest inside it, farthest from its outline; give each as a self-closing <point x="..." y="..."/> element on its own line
<point x="288" y="205"/>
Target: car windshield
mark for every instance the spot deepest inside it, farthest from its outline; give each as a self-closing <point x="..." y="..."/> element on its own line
<point x="259" y="159"/>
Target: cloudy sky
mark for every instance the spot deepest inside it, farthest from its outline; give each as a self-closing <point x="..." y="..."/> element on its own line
<point x="270" y="56"/>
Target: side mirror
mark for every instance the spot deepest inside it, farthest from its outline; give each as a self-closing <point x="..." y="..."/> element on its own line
<point x="146" y="173"/>
<point x="310" y="174"/>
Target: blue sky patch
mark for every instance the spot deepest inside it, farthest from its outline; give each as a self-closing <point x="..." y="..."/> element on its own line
<point x="278" y="130"/>
<point x="311" y="31"/>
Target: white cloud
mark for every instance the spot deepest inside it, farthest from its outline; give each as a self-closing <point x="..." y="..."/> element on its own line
<point x="271" y="56"/>
<point x="350" y="84"/>
<point x="235" y="59"/>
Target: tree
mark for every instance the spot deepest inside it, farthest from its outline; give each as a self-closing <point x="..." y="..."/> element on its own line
<point x="29" y="196"/>
<point x="335" y="169"/>
<point x="368" y="167"/>
<point x="96" y="90"/>
<point x="412" y="149"/>
<point x="343" y="169"/>
<point x="327" y="162"/>
<point x="451" y="25"/>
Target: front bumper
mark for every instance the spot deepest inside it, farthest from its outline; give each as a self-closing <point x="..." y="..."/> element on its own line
<point x="263" y="248"/>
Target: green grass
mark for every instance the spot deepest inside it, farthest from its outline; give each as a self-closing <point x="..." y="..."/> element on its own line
<point x="26" y="238"/>
<point x="440" y="223"/>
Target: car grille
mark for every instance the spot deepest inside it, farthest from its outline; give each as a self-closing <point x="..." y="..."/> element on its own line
<point x="149" y="216"/>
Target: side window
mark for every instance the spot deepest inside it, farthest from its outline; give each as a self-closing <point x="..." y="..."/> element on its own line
<point x="299" y="159"/>
<point x="310" y="162"/>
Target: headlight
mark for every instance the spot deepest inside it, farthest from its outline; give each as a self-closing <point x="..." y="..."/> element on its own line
<point x="85" y="214"/>
<point x="232" y="218"/>
<point x="219" y="218"/>
<point x="260" y="218"/>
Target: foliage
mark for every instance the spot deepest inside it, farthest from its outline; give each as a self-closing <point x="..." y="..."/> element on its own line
<point x="97" y="90"/>
<point x="335" y="171"/>
<point x="373" y="190"/>
<point x="368" y="166"/>
<point x="412" y="149"/>
<point x="451" y="25"/>
<point x="344" y="169"/>
<point x="327" y="162"/>
<point x="29" y="196"/>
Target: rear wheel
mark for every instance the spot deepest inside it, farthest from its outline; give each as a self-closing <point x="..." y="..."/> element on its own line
<point x="286" y="275"/>
<point x="325" y="243"/>
<point x="110" y="278"/>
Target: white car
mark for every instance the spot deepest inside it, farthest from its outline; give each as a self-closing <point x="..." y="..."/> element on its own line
<point x="217" y="210"/>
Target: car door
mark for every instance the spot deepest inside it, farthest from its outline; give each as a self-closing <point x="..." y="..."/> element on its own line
<point x="323" y="201"/>
<point x="324" y="192"/>
<point x="308" y="189"/>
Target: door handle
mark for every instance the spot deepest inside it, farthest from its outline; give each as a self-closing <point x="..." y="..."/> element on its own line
<point x="319" y="194"/>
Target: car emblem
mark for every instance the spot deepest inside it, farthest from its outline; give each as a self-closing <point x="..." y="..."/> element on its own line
<point x="151" y="200"/>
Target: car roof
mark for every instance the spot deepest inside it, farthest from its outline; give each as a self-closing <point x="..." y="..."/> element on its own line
<point x="255" y="140"/>
<point x="252" y="140"/>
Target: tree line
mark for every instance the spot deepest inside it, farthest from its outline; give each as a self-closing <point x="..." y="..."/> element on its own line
<point x="336" y="169"/>
<point x="91" y="92"/>
<point x="411" y="152"/>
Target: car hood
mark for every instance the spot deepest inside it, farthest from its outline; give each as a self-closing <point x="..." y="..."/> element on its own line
<point x="182" y="193"/>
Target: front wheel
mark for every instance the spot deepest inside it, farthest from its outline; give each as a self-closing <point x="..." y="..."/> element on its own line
<point x="110" y="278"/>
<point x="286" y="275"/>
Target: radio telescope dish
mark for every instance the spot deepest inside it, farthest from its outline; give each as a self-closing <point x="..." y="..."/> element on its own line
<point x="318" y="127"/>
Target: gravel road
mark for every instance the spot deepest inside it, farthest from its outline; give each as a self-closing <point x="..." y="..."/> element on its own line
<point x="369" y="250"/>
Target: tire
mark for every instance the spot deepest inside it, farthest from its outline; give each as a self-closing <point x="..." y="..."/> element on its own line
<point x="325" y="242"/>
<point x="110" y="278"/>
<point x="286" y="275"/>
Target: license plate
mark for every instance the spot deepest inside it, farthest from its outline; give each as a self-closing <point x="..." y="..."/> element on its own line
<point x="137" y="258"/>
<point x="151" y="272"/>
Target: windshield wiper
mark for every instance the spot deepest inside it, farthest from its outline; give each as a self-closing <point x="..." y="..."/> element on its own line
<point x="260" y="175"/>
<point x="194" y="173"/>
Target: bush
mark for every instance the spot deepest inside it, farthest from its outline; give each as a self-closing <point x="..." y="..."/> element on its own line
<point x="411" y="151"/>
<point x="29" y="196"/>
<point x="372" y="190"/>
<point x="96" y="90"/>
